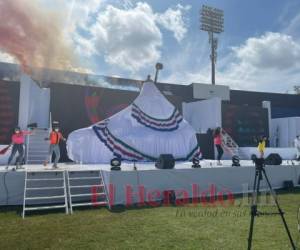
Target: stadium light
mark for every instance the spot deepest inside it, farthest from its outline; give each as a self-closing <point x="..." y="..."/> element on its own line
<point x="297" y="89"/>
<point x="212" y="21"/>
<point x="158" y="67"/>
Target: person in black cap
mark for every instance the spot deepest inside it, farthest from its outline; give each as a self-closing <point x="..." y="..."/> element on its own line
<point x="17" y="140"/>
<point x="55" y="138"/>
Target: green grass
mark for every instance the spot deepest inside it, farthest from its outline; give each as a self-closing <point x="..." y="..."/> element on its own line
<point x="150" y="228"/>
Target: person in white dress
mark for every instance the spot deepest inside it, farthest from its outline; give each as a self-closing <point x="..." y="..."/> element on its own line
<point x="297" y="146"/>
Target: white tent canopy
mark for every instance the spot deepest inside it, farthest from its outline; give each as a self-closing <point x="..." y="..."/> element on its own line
<point x="150" y="126"/>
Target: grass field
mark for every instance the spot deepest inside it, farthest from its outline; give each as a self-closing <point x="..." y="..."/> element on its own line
<point x="187" y="227"/>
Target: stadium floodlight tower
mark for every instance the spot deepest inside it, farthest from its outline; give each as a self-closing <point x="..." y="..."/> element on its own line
<point x="212" y="21"/>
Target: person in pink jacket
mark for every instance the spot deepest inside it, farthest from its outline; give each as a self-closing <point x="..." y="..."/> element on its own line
<point x="17" y="140"/>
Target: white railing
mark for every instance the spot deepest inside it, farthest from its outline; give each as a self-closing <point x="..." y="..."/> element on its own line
<point x="50" y="121"/>
<point x="229" y="144"/>
<point x="27" y="148"/>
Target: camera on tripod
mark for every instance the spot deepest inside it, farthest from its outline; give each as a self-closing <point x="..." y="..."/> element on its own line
<point x="259" y="162"/>
<point x="259" y="173"/>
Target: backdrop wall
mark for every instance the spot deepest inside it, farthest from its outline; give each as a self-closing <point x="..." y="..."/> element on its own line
<point x="203" y="115"/>
<point x="245" y="123"/>
<point x="9" y="109"/>
<point x="34" y="104"/>
<point x="284" y="131"/>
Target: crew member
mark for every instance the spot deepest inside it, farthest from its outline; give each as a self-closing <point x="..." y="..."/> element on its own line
<point x="55" y="138"/>
<point x="218" y="144"/>
<point x="262" y="146"/>
<point x="297" y="146"/>
<point x="17" y="140"/>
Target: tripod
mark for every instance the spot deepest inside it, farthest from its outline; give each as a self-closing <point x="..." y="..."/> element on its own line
<point x="259" y="173"/>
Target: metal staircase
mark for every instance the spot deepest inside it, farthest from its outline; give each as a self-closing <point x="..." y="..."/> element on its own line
<point x="229" y="144"/>
<point x="44" y="187"/>
<point x="86" y="188"/>
<point x="37" y="148"/>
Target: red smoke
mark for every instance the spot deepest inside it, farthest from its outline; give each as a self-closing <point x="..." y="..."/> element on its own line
<point x="32" y="35"/>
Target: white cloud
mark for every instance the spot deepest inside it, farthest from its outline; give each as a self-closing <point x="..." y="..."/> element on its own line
<point x="270" y="51"/>
<point x="128" y="38"/>
<point x="266" y="63"/>
<point x="76" y="13"/>
<point x="269" y="63"/>
<point x="131" y="38"/>
<point x="81" y="11"/>
<point x="174" y="20"/>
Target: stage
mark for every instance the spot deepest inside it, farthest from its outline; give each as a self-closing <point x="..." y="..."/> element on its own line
<point x="129" y="184"/>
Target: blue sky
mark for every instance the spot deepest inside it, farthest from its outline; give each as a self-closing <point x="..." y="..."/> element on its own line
<point x="258" y="51"/>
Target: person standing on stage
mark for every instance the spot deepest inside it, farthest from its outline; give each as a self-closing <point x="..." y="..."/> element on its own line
<point x="17" y="140"/>
<point x="297" y="146"/>
<point x="55" y="138"/>
<point x="218" y="144"/>
<point x="262" y="146"/>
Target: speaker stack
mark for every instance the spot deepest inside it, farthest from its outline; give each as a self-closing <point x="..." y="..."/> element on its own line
<point x="165" y="161"/>
<point x="273" y="159"/>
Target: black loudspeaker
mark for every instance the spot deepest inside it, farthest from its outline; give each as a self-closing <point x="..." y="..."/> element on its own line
<point x="115" y="168"/>
<point x="32" y="125"/>
<point x="288" y="184"/>
<point x="165" y="161"/>
<point x="273" y="159"/>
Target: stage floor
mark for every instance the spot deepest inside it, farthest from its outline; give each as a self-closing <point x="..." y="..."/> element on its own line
<point x="130" y="166"/>
<point x="224" y="178"/>
<point x="125" y="166"/>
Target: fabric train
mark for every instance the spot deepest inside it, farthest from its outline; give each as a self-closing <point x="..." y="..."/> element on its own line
<point x="150" y="126"/>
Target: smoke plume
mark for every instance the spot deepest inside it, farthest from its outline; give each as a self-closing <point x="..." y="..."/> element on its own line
<point x="33" y="36"/>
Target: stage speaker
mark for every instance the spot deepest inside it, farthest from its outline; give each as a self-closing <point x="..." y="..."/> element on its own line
<point x="115" y="168"/>
<point x="165" y="161"/>
<point x="32" y="125"/>
<point x="288" y="184"/>
<point x="273" y="159"/>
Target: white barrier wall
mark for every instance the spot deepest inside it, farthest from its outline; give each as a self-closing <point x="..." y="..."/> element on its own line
<point x="34" y="106"/>
<point x="202" y="115"/>
<point x="284" y="131"/>
<point x="235" y="180"/>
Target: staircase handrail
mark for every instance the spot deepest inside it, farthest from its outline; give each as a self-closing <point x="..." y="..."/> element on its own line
<point x="227" y="139"/>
